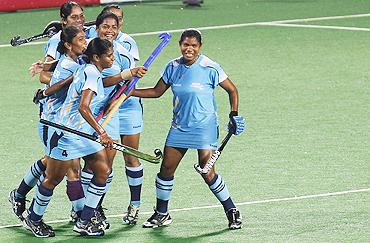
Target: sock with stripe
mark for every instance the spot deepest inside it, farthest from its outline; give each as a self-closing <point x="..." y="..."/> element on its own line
<point x="135" y="180"/>
<point x="93" y="195"/>
<point x="164" y="187"/>
<point x="40" y="202"/>
<point x="30" y="180"/>
<point x="86" y="177"/>
<point x="219" y="189"/>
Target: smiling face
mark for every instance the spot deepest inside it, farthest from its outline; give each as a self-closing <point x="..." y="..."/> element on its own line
<point x="119" y="14"/>
<point x="76" y="17"/>
<point x="190" y="48"/>
<point x="108" y="29"/>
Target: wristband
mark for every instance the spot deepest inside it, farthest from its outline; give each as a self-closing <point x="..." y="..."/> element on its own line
<point x="126" y="74"/>
<point x="43" y="93"/>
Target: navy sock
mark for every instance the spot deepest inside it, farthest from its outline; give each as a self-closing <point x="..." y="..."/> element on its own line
<point x="40" y="202"/>
<point x="164" y="187"/>
<point x="135" y="177"/>
<point x="30" y="179"/>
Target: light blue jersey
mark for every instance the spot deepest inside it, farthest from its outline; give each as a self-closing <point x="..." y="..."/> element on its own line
<point x="70" y="146"/>
<point x="86" y="77"/>
<point x="51" y="47"/>
<point x="194" y="123"/>
<point x="123" y="60"/>
<point x="65" y="68"/>
<point x="129" y="43"/>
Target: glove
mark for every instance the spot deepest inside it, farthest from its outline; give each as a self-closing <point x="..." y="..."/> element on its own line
<point x="39" y="95"/>
<point x="236" y="123"/>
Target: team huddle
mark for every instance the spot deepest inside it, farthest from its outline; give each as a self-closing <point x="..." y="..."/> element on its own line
<point x="84" y="68"/>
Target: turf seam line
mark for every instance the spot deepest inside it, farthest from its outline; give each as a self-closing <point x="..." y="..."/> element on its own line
<point x="241" y="25"/>
<point x="295" y="198"/>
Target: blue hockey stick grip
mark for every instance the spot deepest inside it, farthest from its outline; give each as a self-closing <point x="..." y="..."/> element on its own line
<point x="165" y="39"/>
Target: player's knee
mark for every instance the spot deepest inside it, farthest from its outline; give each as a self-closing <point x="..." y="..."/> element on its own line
<point x="131" y="161"/>
<point x="209" y="176"/>
<point x="52" y="182"/>
<point x="102" y="173"/>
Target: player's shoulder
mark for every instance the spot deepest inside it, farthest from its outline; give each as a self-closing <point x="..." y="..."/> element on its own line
<point x="123" y="37"/>
<point x="68" y="63"/>
<point x="55" y="38"/>
<point x="207" y="62"/>
<point x="118" y="47"/>
<point x="90" y="69"/>
<point x="175" y="62"/>
<point x="90" y="32"/>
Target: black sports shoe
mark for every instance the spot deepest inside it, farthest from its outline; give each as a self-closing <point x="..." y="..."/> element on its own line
<point x="88" y="228"/>
<point x="158" y="220"/>
<point x="74" y="216"/>
<point x="18" y="204"/>
<point x="100" y="219"/>
<point x="130" y="217"/>
<point x="235" y="220"/>
<point x="39" y="229"/>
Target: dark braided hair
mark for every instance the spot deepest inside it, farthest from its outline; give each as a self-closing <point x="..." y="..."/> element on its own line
<point x="67" y="35"/>
<point x="97" y="47"/>
<point x="66" y="9"/>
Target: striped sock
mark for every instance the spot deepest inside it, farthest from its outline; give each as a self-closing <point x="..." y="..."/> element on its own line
<point x="40" y="202"/>
<point x="86" y="177"/>
<point x="135" y="180"/>
<point x="219" y="188"/>
<point x="30" y="180"/>
<point x="107" y="186"/>
<point x="164" y="187"/>
<point x="93" y="195"/>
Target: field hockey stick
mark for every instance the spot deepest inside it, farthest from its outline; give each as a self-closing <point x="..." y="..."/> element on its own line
<point x="51" y="29"/>
<point x="120" y="147"/>
<point x="119" y="97"/>
<point x="210" y="163"/>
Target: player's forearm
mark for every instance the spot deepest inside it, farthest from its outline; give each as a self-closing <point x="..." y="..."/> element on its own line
<point x="234" y="100"/>
<point x="45" y="77"/>
<point x="115" y="79"/>
<point x="88" y="116"/>
<point x="145" y="93"/>
<point x="58" y="86"/>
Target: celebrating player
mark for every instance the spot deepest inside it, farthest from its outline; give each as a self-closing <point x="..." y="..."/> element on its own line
<point x="71" y="13"/>
<point x="130" y="122"/>
<point x="71" y="46"/>
<point x="193" y="78"/>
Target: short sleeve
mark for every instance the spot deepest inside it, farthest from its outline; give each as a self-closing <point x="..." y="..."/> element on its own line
<point x="167" y="73"/>
<point x="217" y="74"/>
<point x="91" y="79"/>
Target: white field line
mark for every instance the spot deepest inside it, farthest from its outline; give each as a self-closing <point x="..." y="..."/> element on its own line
<point x="295" y="198"/>
<point x="234" y="26"/>
<point x="315" y="26"/>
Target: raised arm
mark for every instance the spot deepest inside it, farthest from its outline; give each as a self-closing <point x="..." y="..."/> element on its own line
<point x="157" y="91"/>
<point x="126" y="74"/>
